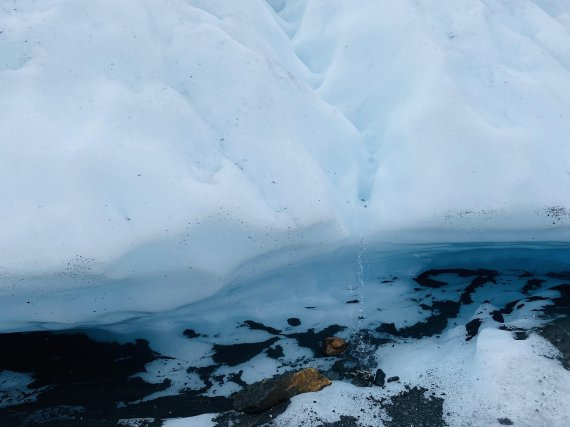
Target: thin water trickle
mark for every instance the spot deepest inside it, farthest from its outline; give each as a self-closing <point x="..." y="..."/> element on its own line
<point x="362" y="351"/>
<point x="360" y="282"/>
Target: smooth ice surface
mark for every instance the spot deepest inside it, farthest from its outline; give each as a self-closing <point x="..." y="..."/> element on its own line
<point x="157" y="151"/>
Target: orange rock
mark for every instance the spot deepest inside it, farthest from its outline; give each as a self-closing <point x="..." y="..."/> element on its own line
<point x="265" y="394"/>
<point x="333" y="346"/>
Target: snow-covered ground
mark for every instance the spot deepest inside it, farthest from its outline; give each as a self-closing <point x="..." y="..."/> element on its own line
<point x="183" y="143"/>
<point x="495" y="375"/>
<point x="461" y="326"/>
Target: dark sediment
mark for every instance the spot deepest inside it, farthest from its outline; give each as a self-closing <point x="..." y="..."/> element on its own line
<point x="294" y="321"/>
<point x="89" y="382"/>
<point x="261" y="327"/>
<point x="558" y="330"/>
<point x="236" y="354"/>
<point x="413" y="408"/>
<point x="472" y="328"/>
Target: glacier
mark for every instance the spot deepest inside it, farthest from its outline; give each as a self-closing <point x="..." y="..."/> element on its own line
<point x="201" y="141"/>
<point x="201" y="164"/>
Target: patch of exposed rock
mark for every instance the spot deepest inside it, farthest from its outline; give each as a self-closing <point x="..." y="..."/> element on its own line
<point x="267" y="393"/>
<point x="334" y="346"/>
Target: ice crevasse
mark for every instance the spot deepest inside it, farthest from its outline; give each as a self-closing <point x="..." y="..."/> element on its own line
<point x="153" y="152"/>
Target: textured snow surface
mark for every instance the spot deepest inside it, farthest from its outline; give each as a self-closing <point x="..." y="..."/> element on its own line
<point x="179" y="145"/>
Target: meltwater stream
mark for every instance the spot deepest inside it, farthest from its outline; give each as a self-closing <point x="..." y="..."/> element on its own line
<point x="466" y="334"/>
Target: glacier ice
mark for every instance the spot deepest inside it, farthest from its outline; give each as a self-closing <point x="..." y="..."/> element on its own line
<point x="224" y="167"/>
<point x="185" y="145"/>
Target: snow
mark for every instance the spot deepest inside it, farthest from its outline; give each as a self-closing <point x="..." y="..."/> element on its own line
<point x="495" y="378"/>
<point x="199" y="163"/>
<point x="186" y="144"/>
<point x="505" y="378"/>
<point x="204" y="420"/>
<point x="492" y="376"/>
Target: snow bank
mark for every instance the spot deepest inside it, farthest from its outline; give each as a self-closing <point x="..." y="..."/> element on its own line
<point x="463" y="107"/>
<point x="142" y="140"/>
<point x="175" y="144"/>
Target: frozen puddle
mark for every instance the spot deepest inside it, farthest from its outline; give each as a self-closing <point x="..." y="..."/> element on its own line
<point x="466" y="336"/>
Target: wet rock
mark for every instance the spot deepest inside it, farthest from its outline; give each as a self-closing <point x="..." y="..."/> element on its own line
<point x="433" y="325"/>
<point x="275" y="352"/>
<point x="360" y="377"/>
<point x="235" y="354"/>
<point x="380" y="378"/>
<point x="472" y="328"/>
<point x="518" y="333"/>
<point x="532" y="285"/>
<point x="256" y="326"/>
<point x="191" y="333"/>
<point x="235" y="377"/>
<point x="351" y="370"/>
<point x="294" y="321"/>
<point x="387" y="328"/>
<point x="84" y="382"/>
<point x="498" y="316"/>
<point x="333" y="375"/>
<point x="505" y="422"/>
<point x="265" y="394"/>
<point x="333" y="346"/>
<point x="337" y="371"/>
<point x="393" y="379"/>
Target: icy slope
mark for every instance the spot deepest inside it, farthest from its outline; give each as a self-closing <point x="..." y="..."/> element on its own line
<point x="157" y="138"/>
<point x="463" y="106"/>
<point x="171" y="143"/>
